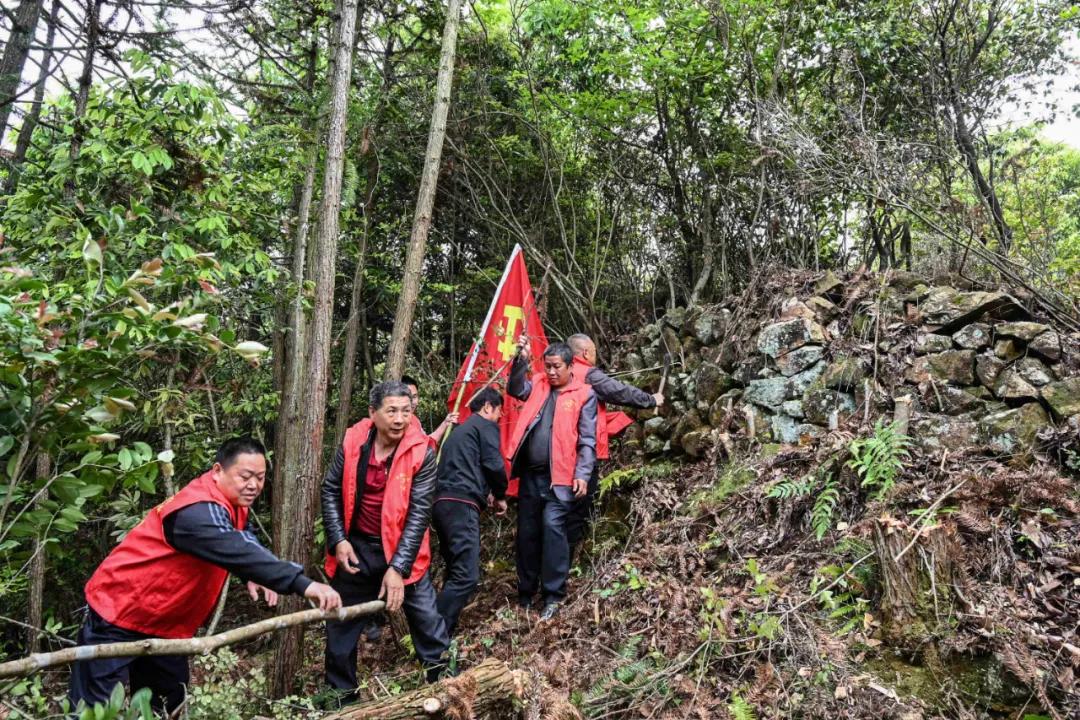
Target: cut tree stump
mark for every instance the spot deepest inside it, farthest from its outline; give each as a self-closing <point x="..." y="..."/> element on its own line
<point x="473" y="694"/>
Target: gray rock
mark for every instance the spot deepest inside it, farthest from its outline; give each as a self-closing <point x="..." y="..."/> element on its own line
<point x="793" y="308"/>
<point x="794" y="408"/>
<point x="919" y="371"/>
<point x="635" y="362"/>
<point x="1033" y="371"/>
<point x="749" y="370"/>
<point x="947" y="309"/>
<point x="783" y="337"/>
<point x="757" y="422"/>
<point x="828" y="407"/>
<point x="689" y="422"/>
<point x="824" y="310"/>
<point x="975" y="336"/>
<point x="767" y="392"/>
<point x="1063" y="397"/>
<point x="651" y="331"/>
<point x="799" y="359"/>
<point x="1047" y="344"/>
<point x="1012" y="386"/>
<point x="671" y="343"/>
<point x="676" y="317"/>
<point x="931" y="343"/>
<point x="987" y="368"/>
<point x="936" y="433"/>
<point x="844" y="374"/>
<point x="951" y="400"/>
<point x="829" y="285"/>
<point x="785" y="429"/>
<point x="1013" y="431"/>
<point x="809" y="432"/>
<point x="654" y="445"/>
<point x="710" y="382"/>
<point x="1026" y="331"/>
<point x="801" y="382"/>
<point x="956" y="367"/>
<point x="1008" y="349"/>
<point x="706" y="328"/>
<point x="658" y="426"/>
<point x="722" y="405"/>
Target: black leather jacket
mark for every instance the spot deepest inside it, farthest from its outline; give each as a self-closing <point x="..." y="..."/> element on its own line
<point x="421" y="498"/>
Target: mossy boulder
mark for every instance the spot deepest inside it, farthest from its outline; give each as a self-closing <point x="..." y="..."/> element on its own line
<point x="947" y="309"/>
<point x="697" y="442"/>
<point x="1048" y="345"/>
<point x="1011" y="385"/>
<point x="823" y="406"/>
<point x="710" y="382"/>
<point x="830" y="285"/>
<point x="1013" y="431"/>
<point x="932" y="343"/>
<point x="845" y="373"/>
<point x="956" y="367"/>
<point x="936" y="433"/>
<point x="658" y="426"/>
<point x="1008" y="349"/>
<point x="1063" y="397"/>
<point x="1034" y="371"/>
<point x="688" y="423"/>
<point x="1026" y="331"/>
<point x="767" y="392"/>
<point x="987" y="368"/>
<point x="952" y="400"/>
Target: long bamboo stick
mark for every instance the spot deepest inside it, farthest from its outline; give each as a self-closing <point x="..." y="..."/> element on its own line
<point x="186" y="646"/>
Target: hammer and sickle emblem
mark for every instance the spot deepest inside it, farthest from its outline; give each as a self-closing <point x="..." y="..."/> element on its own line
<point x="508" y="345"/>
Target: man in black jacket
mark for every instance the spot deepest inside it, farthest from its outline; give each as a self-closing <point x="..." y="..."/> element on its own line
<point x="377" y="541"/>
<point x="471" y="468"/>
<point x="609" y="391"/>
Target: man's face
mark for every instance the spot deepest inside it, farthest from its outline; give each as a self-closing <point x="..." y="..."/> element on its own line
<point x="393" y="417"/>
<point x="243" y="480"/>
<point x="414" y="394"/>
<point x="556" y="370"/>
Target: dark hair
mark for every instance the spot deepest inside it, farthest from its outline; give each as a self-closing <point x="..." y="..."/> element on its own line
<point x="388" y="388"/>
<point x="410" y="380"/>
<point x="484" y="397"/>
<point x="562" y="350"/>
<point x="226" y="454"/>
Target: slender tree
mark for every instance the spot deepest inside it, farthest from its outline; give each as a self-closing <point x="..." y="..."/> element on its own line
<point x="17" y="49"/>
<point x="425" y="202"/>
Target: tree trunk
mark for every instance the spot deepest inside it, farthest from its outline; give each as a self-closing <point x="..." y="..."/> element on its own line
<point x="425" y="202"/>
<point x="37" y="575"/>
<point x="26" y="132"/>
<point x="17" y="49"/>
<point x="475" y="693"/>
<point x="984" y="189"/>
<point x="302" y="460"/>
<point x="86" y="78"/>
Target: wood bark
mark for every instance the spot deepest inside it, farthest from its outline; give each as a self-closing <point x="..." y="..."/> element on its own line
<point x="30" y="122"/>
<point x="86" y="78"/>
<point x="187" y="646"/>
<point x="302" y="460"/>
<point x="35" y="609"/>
<point x="474" y="693"/>
<point x="425" y="202"/>
<point x="17" y="49"/>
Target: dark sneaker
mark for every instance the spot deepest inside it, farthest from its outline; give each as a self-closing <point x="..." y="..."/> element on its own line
<point x="550" y="611"/>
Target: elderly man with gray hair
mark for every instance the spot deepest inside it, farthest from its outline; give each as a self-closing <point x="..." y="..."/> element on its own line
<point x="609" y="391"/>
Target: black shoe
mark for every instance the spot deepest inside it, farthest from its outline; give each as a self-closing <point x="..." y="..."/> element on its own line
<point x="550" y="611"/>
<point x="525" y="603"/>
<point x="372" y="631"/>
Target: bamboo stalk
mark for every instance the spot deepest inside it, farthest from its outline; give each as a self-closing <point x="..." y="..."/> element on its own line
<point x="185" y="646"/>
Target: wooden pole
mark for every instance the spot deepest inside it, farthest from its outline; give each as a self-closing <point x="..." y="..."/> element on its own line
<point x="472" y="694"/>
<point x="187" y="646"/>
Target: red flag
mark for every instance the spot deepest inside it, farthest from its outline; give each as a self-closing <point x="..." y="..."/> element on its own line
<point x="512" y="312"/>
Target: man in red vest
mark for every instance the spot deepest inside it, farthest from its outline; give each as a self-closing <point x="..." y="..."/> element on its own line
<point x="609" y="391"/>
<point x="165" y="576"/>
<point x="376" y="503"/>
<point x="552" y="449"/>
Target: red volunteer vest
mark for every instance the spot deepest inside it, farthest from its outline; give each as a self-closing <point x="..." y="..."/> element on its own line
<point x="408" y="458"/>
<point x="564" y="426"/>
<point x="147" y="586"/>
<point x="609" y="422"/>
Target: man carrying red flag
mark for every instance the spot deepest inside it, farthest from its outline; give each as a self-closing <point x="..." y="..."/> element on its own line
<point x="552" y="448"/>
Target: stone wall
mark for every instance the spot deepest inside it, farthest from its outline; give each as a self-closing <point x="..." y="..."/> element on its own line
<point x="805" y="355"/>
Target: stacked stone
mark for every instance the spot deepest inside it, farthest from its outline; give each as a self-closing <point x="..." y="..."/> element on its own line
<point x="981" y="372"/>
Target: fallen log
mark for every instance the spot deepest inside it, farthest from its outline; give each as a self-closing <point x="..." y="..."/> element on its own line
<point x="186" y="646"/>
<point x="470" y="695"/>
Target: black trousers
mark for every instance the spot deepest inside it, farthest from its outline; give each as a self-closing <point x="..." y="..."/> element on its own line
<point x="543" y="550"/>
<point x="458" y="526"/>
<point x="426" y="625"/>
<point x="582" y="513"/>
<point x="92" y="681"/>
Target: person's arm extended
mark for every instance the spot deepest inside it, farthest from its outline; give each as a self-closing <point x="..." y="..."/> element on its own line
<point x="586" y="442"/>
<point x="437" y="435"/>
<point x="519" y="385"/>
<point x="332" y="508"/>
<point x="421" y="498"/>
<point x="611" y="391"/>
<point x="205" y="531"/>
<point x="491" y="460"/>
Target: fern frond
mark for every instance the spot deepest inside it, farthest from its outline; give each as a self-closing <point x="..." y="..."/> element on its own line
<point x="739" y="709"/>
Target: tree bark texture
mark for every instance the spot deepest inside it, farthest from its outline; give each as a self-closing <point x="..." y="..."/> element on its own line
<point x="302" y="460"/>
<point x="30" y="122"/>
<point x="187" y="646"/>
<point x="16" y="51"/>
<point x="474" y="693"/>
<point x="35" y="609"/>
<point x="425" y="202"/>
